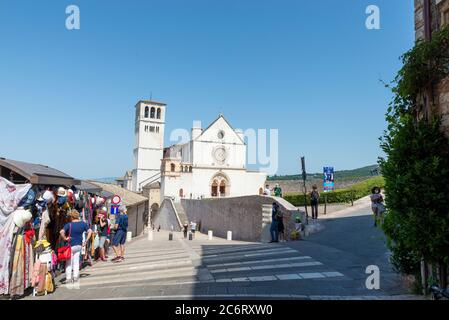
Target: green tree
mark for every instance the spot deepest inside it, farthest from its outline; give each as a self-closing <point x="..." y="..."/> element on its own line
<point x="416" y="167"/>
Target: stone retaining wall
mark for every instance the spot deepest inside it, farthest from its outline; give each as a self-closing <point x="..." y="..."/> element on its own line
<point x="241" y="215"/>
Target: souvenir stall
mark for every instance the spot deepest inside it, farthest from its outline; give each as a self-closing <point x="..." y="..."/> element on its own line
<point x="34" y="204"/>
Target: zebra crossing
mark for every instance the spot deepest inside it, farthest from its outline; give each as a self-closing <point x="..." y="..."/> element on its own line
<point x="162" y="268"/>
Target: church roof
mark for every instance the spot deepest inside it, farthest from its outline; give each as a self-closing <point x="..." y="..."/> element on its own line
<point x="152" y="102"/>
<point x="221" y="116"/>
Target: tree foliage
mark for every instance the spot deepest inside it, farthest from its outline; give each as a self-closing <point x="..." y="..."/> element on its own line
<point x="416" y="167"/>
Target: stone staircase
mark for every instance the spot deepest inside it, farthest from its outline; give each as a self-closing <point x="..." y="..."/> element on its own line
<point x="181" y="213"/>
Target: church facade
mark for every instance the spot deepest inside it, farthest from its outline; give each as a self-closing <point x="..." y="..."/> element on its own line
<point x="212" y="164"/>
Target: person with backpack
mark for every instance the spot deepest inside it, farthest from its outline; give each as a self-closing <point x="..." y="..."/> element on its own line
<point x="274" y="229"/>
<point x="314" y="199"/>
<point x="118" y="243"/>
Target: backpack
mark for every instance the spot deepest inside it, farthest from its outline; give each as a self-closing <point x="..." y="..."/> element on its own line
<point x="314" y="196"/>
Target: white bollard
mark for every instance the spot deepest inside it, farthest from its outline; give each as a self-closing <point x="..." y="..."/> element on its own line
<point x="150" y="235"/>
<point x="229" y="235"/>
<point x="211" y="234"/>
<point x="129" y="236"/>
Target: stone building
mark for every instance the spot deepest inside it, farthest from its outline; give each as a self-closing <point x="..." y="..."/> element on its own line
<point x="431" y="15"/>
<point x="211" y="164"/>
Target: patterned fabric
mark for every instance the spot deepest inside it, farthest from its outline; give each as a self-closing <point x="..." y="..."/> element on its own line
<point x="16" y="286"/>
<point x="6" y="243"/>
<point x="10" y="197"/>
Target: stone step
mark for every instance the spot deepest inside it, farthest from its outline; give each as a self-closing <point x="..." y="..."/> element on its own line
<point x="138" y="276"/>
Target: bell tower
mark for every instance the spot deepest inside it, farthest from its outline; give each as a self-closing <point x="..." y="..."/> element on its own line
<point x="149" y="143"/>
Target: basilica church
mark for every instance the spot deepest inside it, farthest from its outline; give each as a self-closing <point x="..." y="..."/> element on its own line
<point x="212" y="164"/>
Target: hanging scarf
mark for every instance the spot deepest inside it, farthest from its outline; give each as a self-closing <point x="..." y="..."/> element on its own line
<point x="6" y="247"/>
<point x="16" y="286"/>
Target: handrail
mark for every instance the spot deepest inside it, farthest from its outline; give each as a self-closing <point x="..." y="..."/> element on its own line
<point x="156" y="175"/>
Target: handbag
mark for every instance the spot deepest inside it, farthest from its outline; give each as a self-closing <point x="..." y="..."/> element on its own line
<point x="65" y="253"/>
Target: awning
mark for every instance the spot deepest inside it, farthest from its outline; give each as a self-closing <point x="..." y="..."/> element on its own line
<point x="22" y="172"/>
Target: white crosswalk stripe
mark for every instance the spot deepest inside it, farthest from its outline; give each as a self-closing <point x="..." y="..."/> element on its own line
<point x="170" y="264"/>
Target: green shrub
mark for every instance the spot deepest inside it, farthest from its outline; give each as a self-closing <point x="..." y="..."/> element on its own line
<point x="355" y="192"/>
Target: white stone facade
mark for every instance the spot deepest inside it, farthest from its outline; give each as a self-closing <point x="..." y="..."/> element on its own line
<point x="149" y="141"/>
<point x="212" y="164"/>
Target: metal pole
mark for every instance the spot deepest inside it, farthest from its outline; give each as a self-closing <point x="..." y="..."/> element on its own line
<point x="304" y="177"/>
<point x="325" y="203"/>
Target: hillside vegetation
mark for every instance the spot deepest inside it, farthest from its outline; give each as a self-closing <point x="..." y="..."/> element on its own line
<point x="341" y="175"/>
<point x="346" y="195"/>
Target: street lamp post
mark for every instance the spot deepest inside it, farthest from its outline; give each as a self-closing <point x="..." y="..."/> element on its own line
<point x="304" y="178"/>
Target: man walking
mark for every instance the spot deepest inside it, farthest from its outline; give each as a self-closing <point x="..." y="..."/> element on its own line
<point x="277" y="191"/>
<point x="274" y="230"/>
<point x="120" y="236"/>
<point x="314" y="198"/>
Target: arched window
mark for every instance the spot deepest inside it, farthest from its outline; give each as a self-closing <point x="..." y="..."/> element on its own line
<point x="147" y="111"/>
<point x="214" y="191"/>
<point x="222" y="189"/>
<point x="172" y="167"/>
<point x="158" y="113"/>
<point x="153" y="111"/>
<point x="181" y="193"/>
<point x="190" y="169"/>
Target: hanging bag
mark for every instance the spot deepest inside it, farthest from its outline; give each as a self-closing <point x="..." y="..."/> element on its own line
<point x="65" y="253"/>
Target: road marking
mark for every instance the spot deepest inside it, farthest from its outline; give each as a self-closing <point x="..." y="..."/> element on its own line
<point x="257" y="261"/>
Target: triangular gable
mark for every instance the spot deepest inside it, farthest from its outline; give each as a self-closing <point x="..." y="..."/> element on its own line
<point x="225" y="125"/>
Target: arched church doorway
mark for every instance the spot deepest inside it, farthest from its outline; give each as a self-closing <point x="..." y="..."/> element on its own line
<point x="220" y="186"/>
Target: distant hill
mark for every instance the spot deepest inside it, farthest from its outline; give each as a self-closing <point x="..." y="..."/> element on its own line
<point x="363" y="172"/>
<point x="105" y="180"/>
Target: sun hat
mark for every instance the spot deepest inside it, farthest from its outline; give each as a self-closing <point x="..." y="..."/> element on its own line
<point x="100" y="201"/>
<point x="48" y="196"/>
<point x="62" y="192"/>
<point x="21" y="216"/>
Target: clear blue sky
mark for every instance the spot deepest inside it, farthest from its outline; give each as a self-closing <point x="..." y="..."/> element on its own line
<point x="309" y="68"/>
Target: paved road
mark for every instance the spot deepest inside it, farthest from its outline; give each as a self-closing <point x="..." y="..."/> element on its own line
<point x="328" y="265"/>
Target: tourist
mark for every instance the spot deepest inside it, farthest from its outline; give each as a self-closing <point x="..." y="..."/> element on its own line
<point x="274" y="230"/>
<point x="277" y="191"/>
<point x="193" y="229"/>
<point x="267" y="191"/>
<point x="186" y="229"/>
<point x="102" y="228"/>
<point x="377" y="205"/>
<point x="72" y="233"/>
<point x="118" y="243"/>
<point x="281" y="227"/>
<point x="314" y="199"/>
